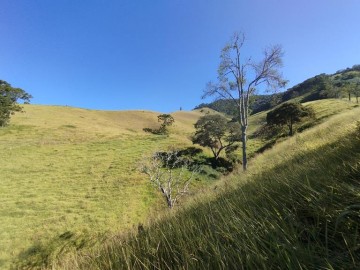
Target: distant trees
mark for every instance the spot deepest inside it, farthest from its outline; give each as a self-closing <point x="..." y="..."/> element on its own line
<point x="288" y="114"/>
<point x="9" y="97"/>
<point x="166" y="121"/>
<point x="238" y="79"/>
<point x="217" y="133"/>
<point x="170" y="173"/>
<point x="357" y="91"/>
<point x="347" y="89"/>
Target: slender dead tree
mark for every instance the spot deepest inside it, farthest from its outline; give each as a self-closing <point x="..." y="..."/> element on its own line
<point x="170" y="174"/>
<point x="238" y="79"/>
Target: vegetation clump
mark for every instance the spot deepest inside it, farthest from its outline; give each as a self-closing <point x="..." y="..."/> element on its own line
<point x="170" y="173"/>
<point x="217" y="133"/>
<point x="9" y="96"/>
<point x="288" y="114"/>
<point x="166" y="121"/>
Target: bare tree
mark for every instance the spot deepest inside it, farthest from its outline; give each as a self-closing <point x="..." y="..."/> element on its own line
<point x="238" y="79"/>
<point x="170" y="173"/>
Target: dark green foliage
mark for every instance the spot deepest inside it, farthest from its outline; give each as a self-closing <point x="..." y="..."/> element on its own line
<point x="166" y="121"/>
<point x="309" y="89"/>
<point x="221" y="105"/>
<point x="9" y="97"/>
<point x="217" y="133"/>
<point x="288" y="114"/>
<point x="257" y="104"/>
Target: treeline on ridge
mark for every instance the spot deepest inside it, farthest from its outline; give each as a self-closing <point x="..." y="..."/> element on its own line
<point x="343" y="83"/>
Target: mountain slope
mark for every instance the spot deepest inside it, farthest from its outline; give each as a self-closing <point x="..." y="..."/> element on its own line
<point x="297" y="210"/>
<point x="71" y="174"/>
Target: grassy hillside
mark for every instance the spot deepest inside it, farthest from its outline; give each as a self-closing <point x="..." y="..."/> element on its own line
<point x="72" y="173"/>
<point x="296" y="208"/>
<point x="323" y="109"/>
<point x="73" y="170"/>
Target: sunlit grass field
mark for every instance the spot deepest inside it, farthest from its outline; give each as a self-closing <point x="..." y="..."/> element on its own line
<point x="69" y="170"/>
<point x="322" y="108"/>
<point x="72" y="170"/>
<point x="296" y="208"/>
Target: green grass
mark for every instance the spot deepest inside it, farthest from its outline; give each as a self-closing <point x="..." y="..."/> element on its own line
<point x="72" y="170"/>
<point x="323" y="110"/>
<point x="296" y="208"/>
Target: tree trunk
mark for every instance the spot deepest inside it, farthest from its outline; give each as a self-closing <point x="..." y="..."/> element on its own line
<point x="243" y="140"/>
<point x="169" y="201"/>
<point x="167" y="197"/>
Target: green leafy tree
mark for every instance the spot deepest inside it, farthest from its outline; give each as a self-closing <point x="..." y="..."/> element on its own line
<point x="166" y="121"/>
<point x="9" y="97"/>
<point x="288" y="114"/>
<point x="217" y="133"/>
<point x="238" y="79"/>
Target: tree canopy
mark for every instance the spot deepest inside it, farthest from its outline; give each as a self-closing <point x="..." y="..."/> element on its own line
<point x="288" y="114"/>
<point x="9" y="97"/>
<point x="166" y="121"/>
<point x="217" y="133"/>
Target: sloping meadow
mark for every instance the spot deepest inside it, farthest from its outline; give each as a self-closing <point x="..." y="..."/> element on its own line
<point x="296" y="208"/>
<point x="70" y="172"/>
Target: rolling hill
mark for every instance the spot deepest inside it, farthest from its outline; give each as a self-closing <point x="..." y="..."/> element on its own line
<point x="70" y="180"/>
<point x="297" y="208"/>
<point x="68" y="169"/>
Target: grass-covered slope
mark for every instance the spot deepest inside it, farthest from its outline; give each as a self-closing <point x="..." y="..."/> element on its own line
<point x="297" y="208"/>
<point x="71" y="174"/>
<point x="66" y="169"/>
<point x="323" y="109"/>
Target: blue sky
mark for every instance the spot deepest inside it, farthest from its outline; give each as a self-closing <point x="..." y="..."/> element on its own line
<point x="158" y="55"/>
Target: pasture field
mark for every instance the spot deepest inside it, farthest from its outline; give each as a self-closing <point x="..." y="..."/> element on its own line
<point x="74" y="171"/>
<point x="296" y="208"/>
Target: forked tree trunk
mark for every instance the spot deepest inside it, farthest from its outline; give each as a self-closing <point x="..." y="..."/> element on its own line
<point x="167" y="196"/>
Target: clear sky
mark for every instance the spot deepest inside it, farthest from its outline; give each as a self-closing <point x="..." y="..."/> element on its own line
<point x="159" y="54"/>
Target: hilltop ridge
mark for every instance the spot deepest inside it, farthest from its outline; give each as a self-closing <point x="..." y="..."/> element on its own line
<point x="321" y="86"/>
